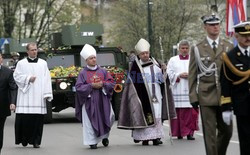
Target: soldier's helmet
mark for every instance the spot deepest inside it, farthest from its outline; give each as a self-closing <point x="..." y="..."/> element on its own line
<point x="211" y="19"/>
<point x="15" y="54"/>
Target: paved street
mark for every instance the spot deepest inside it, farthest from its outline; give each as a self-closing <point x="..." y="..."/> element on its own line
<point x="64" y="137"/>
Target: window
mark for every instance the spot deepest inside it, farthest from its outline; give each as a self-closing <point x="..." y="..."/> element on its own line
<point x="61" y="60"/>
<point x="103" y="59"/>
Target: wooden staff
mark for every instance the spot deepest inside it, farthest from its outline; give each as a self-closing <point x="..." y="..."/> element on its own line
<point x="166" y="94"/>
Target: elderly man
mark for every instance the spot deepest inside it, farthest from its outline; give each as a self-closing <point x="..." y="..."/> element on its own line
<point x="33" y="79"/>
<point x="235" y="85"/>
<point x="187" y="117"/>
<point x="143" y="105"/>
<point x="94" y="88"/>
<point x="204" y="86"/>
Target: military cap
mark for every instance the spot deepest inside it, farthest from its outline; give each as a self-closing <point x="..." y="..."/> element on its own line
<point x="242" y="28"/>
<point x="210" y="19"/>
<point x="15" y="54"/>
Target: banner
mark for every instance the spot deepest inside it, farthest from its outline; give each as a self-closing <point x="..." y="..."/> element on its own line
<point x="236" y="13"/>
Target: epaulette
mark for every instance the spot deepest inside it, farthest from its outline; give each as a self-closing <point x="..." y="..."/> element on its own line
<point x="195" y="45"/>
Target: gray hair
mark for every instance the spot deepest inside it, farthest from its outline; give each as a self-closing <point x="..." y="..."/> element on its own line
<point x="183" y="42"/>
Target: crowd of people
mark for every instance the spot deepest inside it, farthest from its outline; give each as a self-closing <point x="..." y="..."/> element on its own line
<point x="211" y="78"/>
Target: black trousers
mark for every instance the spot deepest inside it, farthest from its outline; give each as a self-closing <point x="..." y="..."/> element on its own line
<point x="2" y="122"/>
<point x="243" y="126"/>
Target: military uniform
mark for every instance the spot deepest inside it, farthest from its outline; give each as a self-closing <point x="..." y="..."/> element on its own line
<point x="204" y="90"/>
<point x="235" y="92"/>
<point x="13" y="62"/>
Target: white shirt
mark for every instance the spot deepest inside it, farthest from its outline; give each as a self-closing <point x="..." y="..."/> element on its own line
<point x="243" y="50"/>
<point x="210" y="41"/>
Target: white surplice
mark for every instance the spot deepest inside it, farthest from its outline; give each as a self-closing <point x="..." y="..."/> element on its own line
<point x="180" y="90"/>
<point x="31" y="98"/>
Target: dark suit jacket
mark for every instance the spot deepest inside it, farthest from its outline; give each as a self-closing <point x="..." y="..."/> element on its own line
<point x="8" y="91"/>
<point x="239" y="94"/>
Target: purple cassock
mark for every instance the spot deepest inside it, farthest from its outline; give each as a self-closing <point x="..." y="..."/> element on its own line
<point x="97" y="101"/>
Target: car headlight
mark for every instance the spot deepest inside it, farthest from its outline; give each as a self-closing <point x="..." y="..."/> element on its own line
<point x="63" y="85"/>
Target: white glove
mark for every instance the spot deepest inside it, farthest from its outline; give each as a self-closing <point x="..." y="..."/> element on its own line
<point x="227" y="117"/>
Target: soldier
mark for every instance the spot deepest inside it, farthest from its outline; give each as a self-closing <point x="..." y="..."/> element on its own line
<point x="235" y="85"/>
<point x="13" y="62"/>
<point x="204" y="86"/>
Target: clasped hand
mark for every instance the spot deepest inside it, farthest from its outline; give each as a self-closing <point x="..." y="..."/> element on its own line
<point x="184" y="75"/>
<point x="32" y="79"/>
<point x="97" y="85"/>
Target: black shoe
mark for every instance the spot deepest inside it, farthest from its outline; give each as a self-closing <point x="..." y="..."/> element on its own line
<point x="190" y="137"/>
<point x="24" y="144"/>
<point x="105" y="142"/>
<point x="136" y="141"/>
<point x="180" y="137"/>
<point x="145" y="142"/>
<point x="160" y="142"/>
<point x="93" y="146"/>
<point x="157" y="141"/>
<point x="36" y="146"/>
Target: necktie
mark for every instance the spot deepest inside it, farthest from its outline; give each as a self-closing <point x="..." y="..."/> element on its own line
<point x="154" y="99"/>
<point x="246" y="53"/>
<point x="214" y="46"/>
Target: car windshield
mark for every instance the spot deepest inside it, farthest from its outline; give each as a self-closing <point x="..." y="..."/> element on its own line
<point x="60" y="60"/>
<point x="103" y="59"/>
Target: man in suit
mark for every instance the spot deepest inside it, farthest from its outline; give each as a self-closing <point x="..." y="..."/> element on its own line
<point x="204" y="86"/>
<point x="235" y="85"/>
<point x="7" y="96"/>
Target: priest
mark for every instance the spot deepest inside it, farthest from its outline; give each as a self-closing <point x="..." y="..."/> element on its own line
<point x="94" y="88"/>
<point x="33" y="79"/>
<point x="187" y="116"/>
<point x="143" y="105"/>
